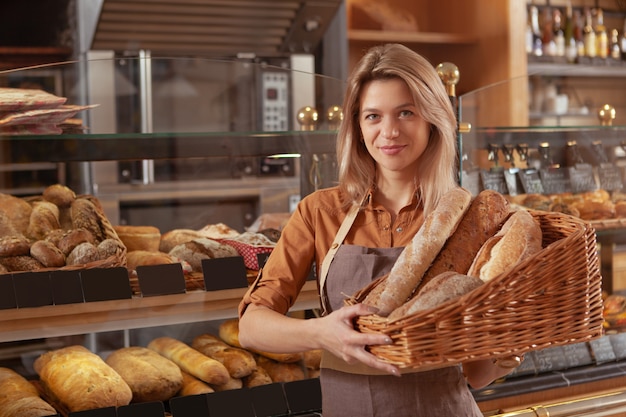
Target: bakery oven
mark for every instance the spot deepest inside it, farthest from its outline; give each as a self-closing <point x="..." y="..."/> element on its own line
<point x="217" y="97"/>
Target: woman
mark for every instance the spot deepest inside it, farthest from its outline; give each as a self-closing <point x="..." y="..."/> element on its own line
<point x="396" y="151"/>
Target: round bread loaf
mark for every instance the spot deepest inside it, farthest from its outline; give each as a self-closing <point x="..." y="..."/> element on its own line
<point x="14" y="245"/>
<point x="59" y="194"/>
<point x="17" y="210"/>
<point x="139" y="237"/>
<point x="109" y="247"/>
<point x="44" y="218"/>
<point x="84" y="214"/>
<point x="20" y="263"/>
<point x="150" y="376"/>
<point x="74" y="237"/>
<point x="82" y="254"/>
<point x="176" y="237"/>
<point x="47" y="253"/>
<point x="195" y="251"/>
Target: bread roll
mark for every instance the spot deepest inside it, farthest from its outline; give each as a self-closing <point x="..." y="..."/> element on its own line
<point x="258" y="377"/>
<point x="193" y="386"/>
<point x="484" y="217"/>
<point x="47" y="253"/>
<point x="232" y="383"/>
<point x="71" y="238"/>
<point x="59" y="194"/>
<point x="17" y="211"/>
<point x="80" y="380"/>
<point x="191" y="361"/>
<point x="280" y="371"/>
<point x="83" y="254"/>
<point x="519" y="238"/>
<point x="14" y="245"/>
<point x="444" y="287"/>
<point x="195" y="251"/>
<point x="20" y="263"/>
<point x="218" y="231"/>
<point x="150" y="376"/>
<point x="109" y="247"/>
<point x="85" y="215"/>
<point x="175" y="237"/>
<point x="44" y="217"/>
<point x="146" y="238"/>
<point x="142" y="258"/>
<point x="239" y="362"/>
<point x="408" y="270"/>
<point x="229" y="333"/>
<point x="20" y="398"/>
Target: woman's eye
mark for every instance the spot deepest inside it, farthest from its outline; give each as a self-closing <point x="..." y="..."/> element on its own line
<point x="406" y="113"/>
<point x="371" y="117"/>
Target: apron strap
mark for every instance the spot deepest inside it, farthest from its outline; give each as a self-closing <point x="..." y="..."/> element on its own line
<point x="339" y="238"/>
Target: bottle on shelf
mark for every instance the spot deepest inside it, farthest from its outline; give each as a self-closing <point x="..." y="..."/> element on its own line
<point x="589" y="35"/>
<point x="614" y="46"/>
<point x="547" y="33"/>
<point x="602" y="37"/>
<point x="568" y="33"/>
<point x="623" y="41"/>
<point x="537" y="44"/>
<point x="558" y="34"/>
<point x="578" y="33"/>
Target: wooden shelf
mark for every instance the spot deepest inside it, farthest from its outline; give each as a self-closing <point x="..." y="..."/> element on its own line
<point x="410" y="37"/>
<point x="138" y="312"/>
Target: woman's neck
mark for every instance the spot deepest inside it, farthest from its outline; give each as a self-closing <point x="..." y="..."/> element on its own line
<point x="394" y="195"/>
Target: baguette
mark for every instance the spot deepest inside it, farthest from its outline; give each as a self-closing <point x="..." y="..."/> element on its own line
<point x="280" y="371"/>
<point x="488" y="210"/>
<point x="408" y="270"/>
<point x="190" y="360"/>
<point x="193" y="386"/>
<point x="258" y="377"/>
<point x="229" y="333"/>
<point x="20" y="398"/>
<point x="519" y="238"/>
<point x="444" y="287"/>
<point x="239" y="362"/>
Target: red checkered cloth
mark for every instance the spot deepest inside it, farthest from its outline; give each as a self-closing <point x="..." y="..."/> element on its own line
<point x="248" y="252"/>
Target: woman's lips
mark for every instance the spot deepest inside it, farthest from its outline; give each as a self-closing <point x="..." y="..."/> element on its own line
<point x="391" y="150"/>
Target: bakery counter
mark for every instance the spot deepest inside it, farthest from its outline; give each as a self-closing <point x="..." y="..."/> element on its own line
<point x="137" y="312"/>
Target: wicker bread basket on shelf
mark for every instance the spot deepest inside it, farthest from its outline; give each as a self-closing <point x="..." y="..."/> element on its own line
<point x="553" y="298"/>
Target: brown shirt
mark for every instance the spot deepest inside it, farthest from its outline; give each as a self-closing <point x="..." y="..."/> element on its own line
<point x="308" y="235"/>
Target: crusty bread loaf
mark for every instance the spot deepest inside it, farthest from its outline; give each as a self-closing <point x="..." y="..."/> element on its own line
<point x="239" y="362"/>
<point x="83" y="254"/>
<point x="146" y="238"/>
<point x="484" y="217"/>
<point x="519" y="238"/>
<point x="408" y="270"/>
<point x="20" y="263"/>
<point x="59" y="194"/>
<point x="20" y="398"/>
<point x="444" y="287"/>
<point x="44" y="217"/>
<point x="14" y="245"/>
<point x="232" y="383"/>
<point x="17" y="211"/>
<point x="281" y="371"/>
<point x="258" y="377"/>
<point x="150" y="376"/>
<point x="85" y="214"/>
<point x="190" y="360"/>
<point x="229" y="333"/>
<point x="69" y="239"/>
<point x="80" y="380"/>
<point x="47" y="253"/>
<point x="175" y="237"/>
<point x="193" y="386"/>
<point x="144" y="258"/>
<point x="110" y="247"/>
<point x="195" y="251"/>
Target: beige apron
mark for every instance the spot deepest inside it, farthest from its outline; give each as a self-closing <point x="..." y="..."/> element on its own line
<point x="357" y="390"/>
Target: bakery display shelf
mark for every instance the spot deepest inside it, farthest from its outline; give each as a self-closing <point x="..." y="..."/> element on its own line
<point x="608" y="224"/>
<point x="137" y="312"/>
<point x="410" y="37"/>
<point x="138" y="146"/>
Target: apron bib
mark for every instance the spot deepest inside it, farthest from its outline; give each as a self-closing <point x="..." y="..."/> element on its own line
<point x="358" y="390"/>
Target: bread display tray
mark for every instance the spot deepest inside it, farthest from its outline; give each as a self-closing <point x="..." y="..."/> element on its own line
<point x="552" y="298"/>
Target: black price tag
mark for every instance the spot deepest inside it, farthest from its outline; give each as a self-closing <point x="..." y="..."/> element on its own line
<point x="578" y="354"/>
<point x="582" y="178"/>
<point x="97" y="412"/>
<point x="470" y="180"/>
<point x="234" y="402"/>
<point x="551" y="359"/>
<point x="269" y="400"/>
<point x="494" y="180"/>
<point x="618" y="341"/>
<point x="33" y="289"/>
<point x="224" y="273"/>
<point x="513" y="182"/>
<point x="531" y="182"/>
<point x="555" y="180"/>
<point x="610" y="177"/>
<point x="602" y="350"/>
<point x="66" y="287"/>
<point x="149" y="409"/>
<point x="189" y="406"/>
<point x="161" y="279"/>
<point x="7" y="292"/>
<point x="103" y="284"/>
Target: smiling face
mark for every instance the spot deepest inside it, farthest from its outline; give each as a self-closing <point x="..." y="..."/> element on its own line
<point x="393" y="132"/>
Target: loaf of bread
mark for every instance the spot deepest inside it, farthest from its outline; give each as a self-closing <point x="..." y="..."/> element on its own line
<point x="16" y="211"/>
<point x="145" y="258"/>
<point x="85" y="214"/>
<point x="444" y="287"/>
<point x="82" y="254"/>
<point x="191" y="361"/>
<point x="519" y="238"/>
<point x="146" y="238"/>
<point x="239" y="362"/>
<point x="175" y="237"/>
<point x="195" y="251"/>
<point x="484" y="217"/>
<point x="20" y="398"/>
<point x="229" y="333"/>
<point x="69" y="239"/>
<point x="14" y="245"/>
<point x="80" y="380"/>
<point x="47" y="253"/>
<point x="150" y="376"/>
<point x="281" y="371"/>
<point x="218" y="231"/>
<point x="44" y="217"/>
<point x="232" y="383"/>
<point x="193" y="386"/>
<point x="408" y="270"/>
<point x="20" y="263"/>
<point x="59" y="194"/>
<point x="258" y="377"/>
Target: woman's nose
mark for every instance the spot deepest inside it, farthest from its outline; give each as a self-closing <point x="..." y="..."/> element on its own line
<point x="390" y="130"/>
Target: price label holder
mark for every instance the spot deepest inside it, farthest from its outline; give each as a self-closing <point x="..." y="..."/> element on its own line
<point x="33" y="289"/>
<point x="236" y="402"/>
<point x="602" y="350"/>
<point x="494" y="180"/>
<point x="149" y="409"/>
<point x="66" y="287"/>
<point x="550" y="359"/>
<point x="269" y="400"/>
<point x="578" y="354"/>
<point x="527" y="367"/>
<point x="304" y="396"/>
<point x="618" y="341"/>
<point x="555" y="180"/>
<point x="610" y="177"/>
<point x="189" y="406"/>
<point x="104" y="284"/>
<point x="470" y="180"/>
<point x="98" y="412"/>
<point x="7" y="292"/>
<point x="582" y="178"/>
<point x="513" y="182"/>
<point x="161" y="279"/>
<point x="224" y="273"/>
<point x="531" y="182"/>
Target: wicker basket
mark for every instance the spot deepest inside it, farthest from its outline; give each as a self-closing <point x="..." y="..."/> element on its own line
<point x="553" y="298"/>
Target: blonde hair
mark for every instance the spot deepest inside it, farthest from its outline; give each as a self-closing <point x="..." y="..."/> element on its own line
<point x="438" y="168"/>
